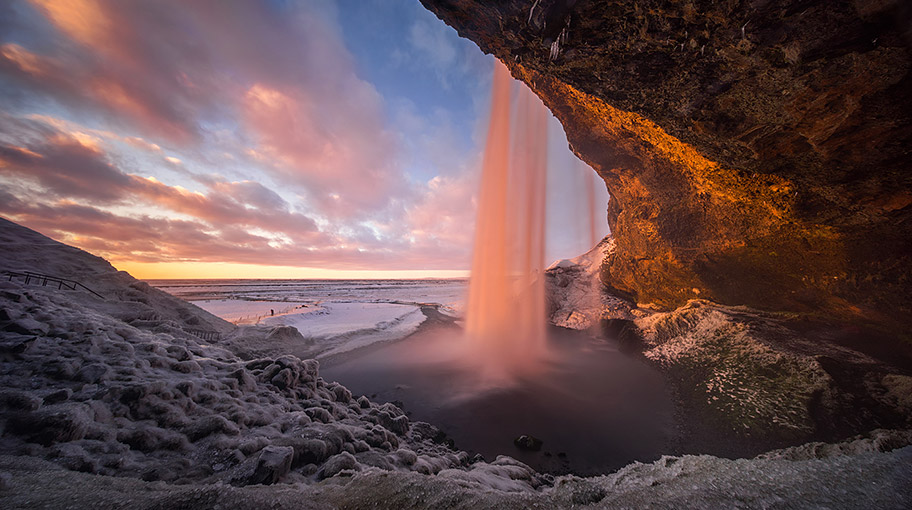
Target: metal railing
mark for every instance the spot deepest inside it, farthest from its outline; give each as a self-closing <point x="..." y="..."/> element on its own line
<point x="255" y="318"/>
<point x="44" y="280"/>
<point x="63" y="283"/>
<point x="209" y="336"/>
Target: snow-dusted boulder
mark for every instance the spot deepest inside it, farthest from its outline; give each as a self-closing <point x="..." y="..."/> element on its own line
<point x="576" y="297"/>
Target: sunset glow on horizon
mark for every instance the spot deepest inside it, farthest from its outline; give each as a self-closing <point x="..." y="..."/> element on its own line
<point x="225" y="270"/>
<point x="272" y="139"/>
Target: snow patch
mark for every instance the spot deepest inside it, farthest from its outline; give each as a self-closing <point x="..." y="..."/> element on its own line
<point x="734" y="369"/>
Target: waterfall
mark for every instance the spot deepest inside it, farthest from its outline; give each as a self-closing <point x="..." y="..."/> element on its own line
<point x="505" y="314"/>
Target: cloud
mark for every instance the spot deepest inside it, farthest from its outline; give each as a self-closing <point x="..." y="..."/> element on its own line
<point x="155" y="239"/>
<point x="66" y="166"/>
<point x="344" y="160"/>
<point x="71" y="185"/>
<point x="237" y="131"/>
<point x="17" y="58"/>
<point x="226" y="204"/>
<point x="428" y="38"/>
<point x="71" y="179"/>
<point x="171" y="67"/>
<point x="91" y="84"/>
<point x="444" y="216"/>
<point x="142" y="144"/>
<point x="84" y="20"/>
<point x="76" y="167"/>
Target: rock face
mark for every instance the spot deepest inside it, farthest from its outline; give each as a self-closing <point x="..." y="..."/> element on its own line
<point x="748" y="373"/>
<point x="576" y="298"/>
<point x="757" y="152"/>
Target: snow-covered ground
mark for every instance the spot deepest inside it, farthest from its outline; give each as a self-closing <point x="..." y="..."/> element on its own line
<point x="239" y="311"/>
<point x="241" y="299"/>
<point x="335" y="328"/>
<point x="117" y="402"/>
<point x="333" y="316"/>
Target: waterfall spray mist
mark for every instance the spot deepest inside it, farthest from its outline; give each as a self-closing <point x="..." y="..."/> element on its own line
<point x="505" y="316"/>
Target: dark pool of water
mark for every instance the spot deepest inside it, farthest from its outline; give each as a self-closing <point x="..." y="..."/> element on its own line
<point x="595" y="408"/>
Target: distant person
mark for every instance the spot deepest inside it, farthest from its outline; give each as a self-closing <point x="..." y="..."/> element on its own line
<point x="272" y="312"/>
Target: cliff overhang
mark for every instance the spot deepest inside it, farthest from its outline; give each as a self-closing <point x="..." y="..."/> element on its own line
<point x="757" y="152"/>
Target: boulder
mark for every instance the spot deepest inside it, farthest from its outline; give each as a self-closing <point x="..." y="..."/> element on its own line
<point x="338" y="463"/>
<point x="528" y="443"/>
<point x="273" y="463"/>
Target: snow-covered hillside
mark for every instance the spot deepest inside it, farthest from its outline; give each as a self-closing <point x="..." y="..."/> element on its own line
<point x="123" y="386"/>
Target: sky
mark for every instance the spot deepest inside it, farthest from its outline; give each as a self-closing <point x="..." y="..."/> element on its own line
<point x="273" y="139"/>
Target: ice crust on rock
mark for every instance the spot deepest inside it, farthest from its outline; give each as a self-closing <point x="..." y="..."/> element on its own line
<point x="576" y="297"/>
<point x="863" y="475"/>
<point x="750" y="371"/>
<point x="730" y="364"/>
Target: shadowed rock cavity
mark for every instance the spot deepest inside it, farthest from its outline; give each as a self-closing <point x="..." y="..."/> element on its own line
<point x="757" y="152"/>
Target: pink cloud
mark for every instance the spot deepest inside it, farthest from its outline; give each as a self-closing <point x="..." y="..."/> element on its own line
<point x="18" y="59"/>
<point x="240" y="221"/>
<point x="65" y="166"/>
<point x="279" y="92"/>
<point x="226" y="204"/>
<point x="167" y="66"/>
<point x="343" y="158"/>
<point x="91" y="84"/>
<point x="444" y="216"/>
<point x="151" y="239"/>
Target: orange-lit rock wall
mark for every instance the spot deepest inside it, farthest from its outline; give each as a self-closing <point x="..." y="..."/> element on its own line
<point x="757" y="152"/>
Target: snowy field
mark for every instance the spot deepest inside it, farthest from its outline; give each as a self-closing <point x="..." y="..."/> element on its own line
<point x="337" y="315"/>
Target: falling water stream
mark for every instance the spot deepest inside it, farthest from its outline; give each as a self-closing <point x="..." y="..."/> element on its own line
<point x="505" y="312"/>
<point x="507" y="372"/>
